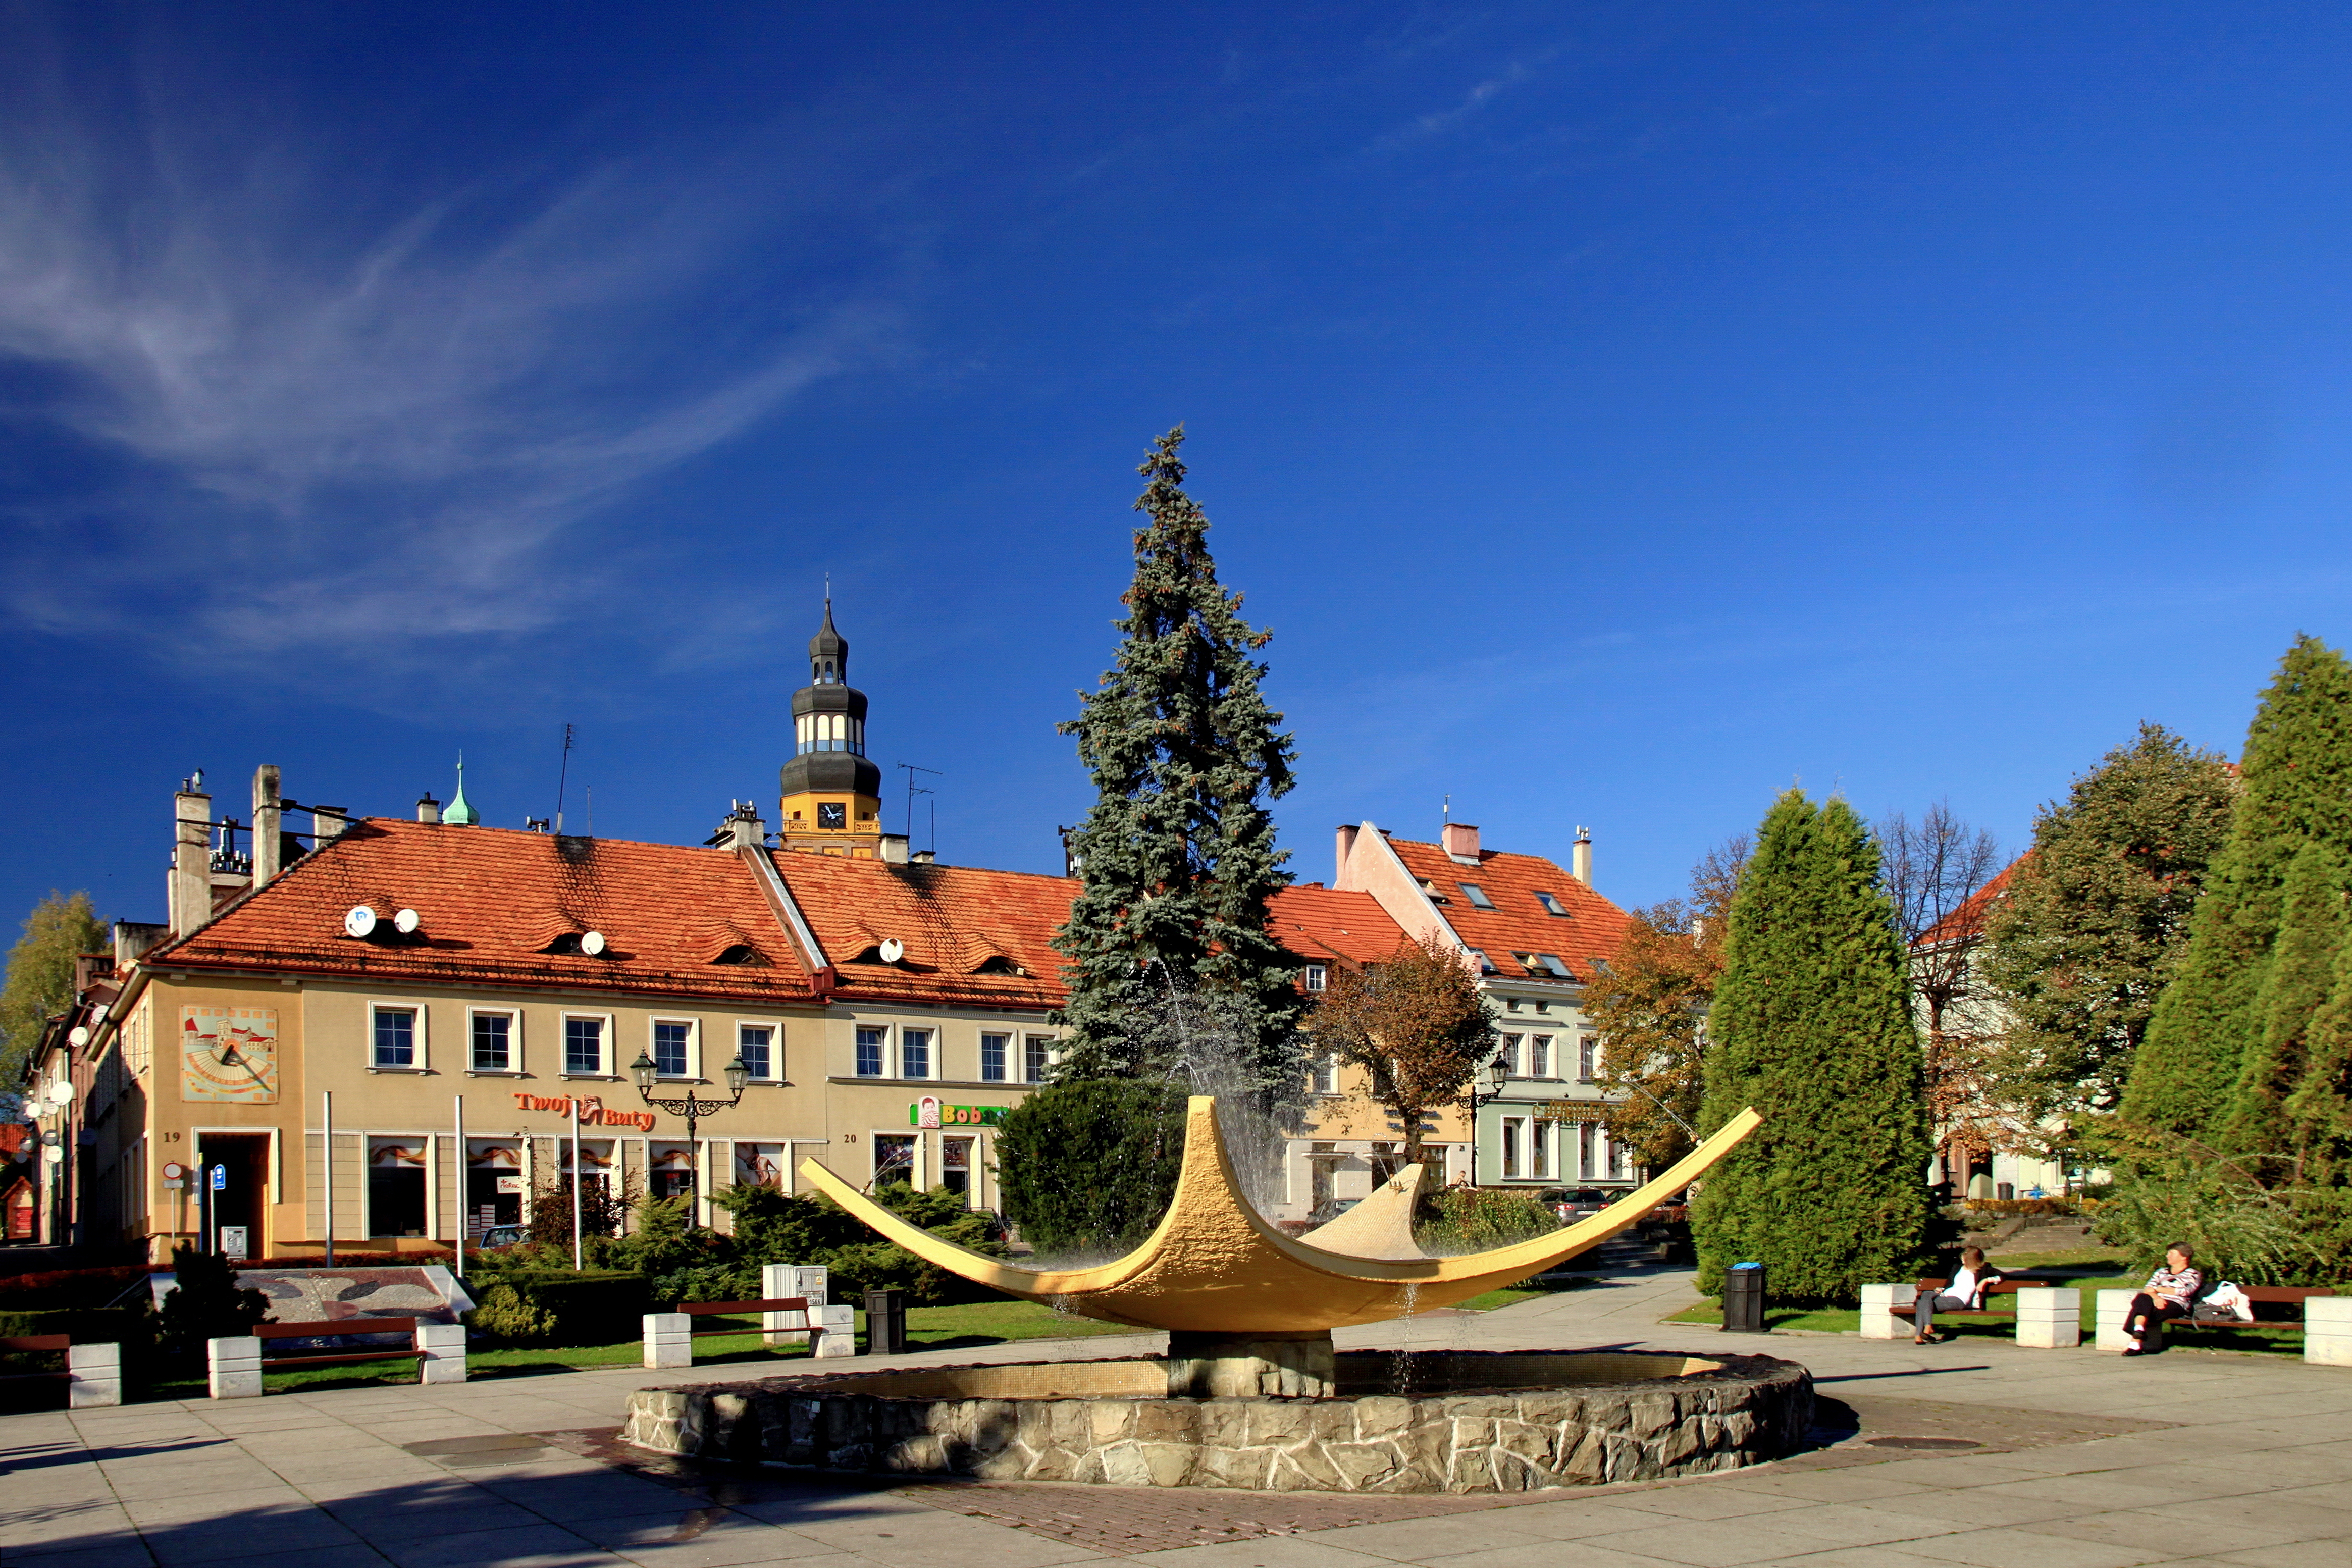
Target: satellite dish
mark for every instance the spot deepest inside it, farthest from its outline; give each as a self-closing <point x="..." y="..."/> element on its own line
<point x="893" y="949"/>
<point x="591" y="942"/>
<point x="404" y="922"/>
<point x="360" y="920"/>
<point x="79" y="1036"/>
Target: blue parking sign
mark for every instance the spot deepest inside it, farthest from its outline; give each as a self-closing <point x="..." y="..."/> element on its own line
<point x="220" y="1178"/>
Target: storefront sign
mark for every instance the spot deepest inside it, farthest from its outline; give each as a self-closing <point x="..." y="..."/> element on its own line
<point x="593" y="1111"/>
<point x="929" y="1111"/>
<point x="1572" y="1110"/>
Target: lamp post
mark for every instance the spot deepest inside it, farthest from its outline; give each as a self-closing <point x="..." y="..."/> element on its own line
<point x="693" y="1108"/>
<point x="1485" y="1086"/>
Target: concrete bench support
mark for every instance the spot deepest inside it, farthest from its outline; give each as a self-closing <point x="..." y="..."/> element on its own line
<point x="835" y="1330"/>
<point x="2327" y="1330"/>
<point x="669" y="1339"/>
<point x="444" y="1345"/>
<point x="96" y="1376"/>
<point x="234" y="1367"/>
<point x="1879" y="1303"/>
<point x="2050" y="1320"/>
<point x="2114" y="1312"/>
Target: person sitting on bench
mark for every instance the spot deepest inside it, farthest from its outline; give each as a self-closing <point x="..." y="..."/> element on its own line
<point x="1964" y="1292"/>
<point x="2171" y="1294"/>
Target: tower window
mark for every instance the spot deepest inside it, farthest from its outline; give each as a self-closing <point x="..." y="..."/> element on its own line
<point x="832" y="814"/>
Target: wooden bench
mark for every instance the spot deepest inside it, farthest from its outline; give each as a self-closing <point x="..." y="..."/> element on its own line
<point x="671" y="1336"/>
<point x="2049" y="1315"/>
<point x="237" y="1364"/>
<point x="92" y="1373"/>
<point x="2326" y="1328"/>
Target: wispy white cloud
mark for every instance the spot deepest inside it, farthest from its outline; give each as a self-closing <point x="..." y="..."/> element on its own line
<point x="385" y="429"/>
<point x="1437" y="122"/>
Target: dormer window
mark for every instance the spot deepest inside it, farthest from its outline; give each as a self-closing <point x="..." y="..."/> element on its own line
<point x="568" y="942"/>
<point x="741" y="953"/>
<point x="1552" y="906"/>
<point x="1476" y="895"/>
<point x="1429" y="890"/>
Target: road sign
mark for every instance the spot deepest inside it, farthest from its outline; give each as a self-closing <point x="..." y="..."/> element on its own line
<point x="174" y="1171"/>
<point x="220" y="1178"/>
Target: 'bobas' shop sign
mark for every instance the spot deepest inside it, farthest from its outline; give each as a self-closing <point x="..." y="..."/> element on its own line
<point x="593" y="1111"/>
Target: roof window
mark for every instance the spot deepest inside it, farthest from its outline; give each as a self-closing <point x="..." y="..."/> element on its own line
<point x="1429" y="890"/>
<point x="1486" y="964"/>
<point x="1476" y="895"/>
<point x="1550" y="960"/>
<point x="741" y="953"/>
<point x="1552" y="906"/>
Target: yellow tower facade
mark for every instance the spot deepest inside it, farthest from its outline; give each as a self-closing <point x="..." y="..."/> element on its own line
<point x="831" y="794"/>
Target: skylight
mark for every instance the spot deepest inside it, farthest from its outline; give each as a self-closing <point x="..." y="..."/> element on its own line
<point x="1476" y="895"/>
<point x="1551" y="960"/>
<point x="1552" y="906"/>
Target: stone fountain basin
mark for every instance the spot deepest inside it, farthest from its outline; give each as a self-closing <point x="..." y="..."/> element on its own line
<point x="1423" y="1422"/>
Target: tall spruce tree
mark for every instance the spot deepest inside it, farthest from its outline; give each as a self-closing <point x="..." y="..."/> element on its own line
<point x="2297" y="790"/>
<point x="1167" y="943"/>
<point x="1812" y="1025"/>
<point x="2302" y="974"/>
<point x="2094" y="920"/>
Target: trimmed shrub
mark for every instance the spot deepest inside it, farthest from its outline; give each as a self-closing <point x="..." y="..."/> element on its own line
<point x="69" y="1288"/>
<point x="207" y="1305"/>
<point x="1090" y="1165"/>
<point x="1473" y="1219"/>
<point x="553" y="1306"/>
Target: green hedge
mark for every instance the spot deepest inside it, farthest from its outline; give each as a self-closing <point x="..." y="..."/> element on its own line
<point x="559" y="1307"/>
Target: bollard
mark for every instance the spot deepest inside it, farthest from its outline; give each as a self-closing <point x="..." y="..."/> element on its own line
<point x="2050" y="1319"/>
<point x="444" y="1345"/>
<point x="1879" y="1303"/>
<point x="834" y="1330"/>
<point x="886" y="1322"/>
<point x="234" y="1367"/>
<point x="2327" y="1330"/>
<point x="1743" y="1298"/>
<point x="96" y="1373"/>
<point x="669" y="1339"/>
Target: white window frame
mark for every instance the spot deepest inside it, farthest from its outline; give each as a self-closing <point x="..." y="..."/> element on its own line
<point x="889" y="1047"/>
<point x="1514" y="1151"/>
<point x="1005" y="1059"/>
<point x="1588" y="1058"/>
<point x="775" y="1073"/>
<point x="417" y="1035"/>
<point x="931" y="1045"/>
<point x="1514" y="1055"/>
<point x="1315" y="977"/>
<point x="514" y="1068"/>
<point x="1549" y="1045"/>
<point x="1326" y="1070"/>
<point x="604" y="1037"/>
<point x="693" y="1073"/>
<point x="1047" y="1066"/>
<point x="1539" y="1160"/>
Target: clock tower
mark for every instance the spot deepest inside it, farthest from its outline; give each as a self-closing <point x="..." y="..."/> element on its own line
<point x="832" y="794"/>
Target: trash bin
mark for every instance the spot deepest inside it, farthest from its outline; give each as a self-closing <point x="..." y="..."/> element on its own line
<point x="2004" y="1191"/>
<point x="1743" y="1298"/>
<point x="886" y="1322"/>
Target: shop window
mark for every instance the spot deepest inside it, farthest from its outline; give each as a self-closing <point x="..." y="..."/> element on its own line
<point x="992" y="1049"/>
<point x="894" y="1158"/>
<point x="395" y="1186"/>
<point x="955" y="1167"/>
<point x="493" y="1186"/>
<point x="672" y="1176"/>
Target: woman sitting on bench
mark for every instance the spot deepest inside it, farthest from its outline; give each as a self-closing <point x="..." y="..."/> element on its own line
<point x="1964" y="1292"/>
<point x="2171" y="1294"/>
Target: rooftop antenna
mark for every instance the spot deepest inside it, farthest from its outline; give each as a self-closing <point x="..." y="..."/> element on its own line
<point x="912" y="791"/>
<point x="1445" y="812"/>
<point x="562" y="776"/>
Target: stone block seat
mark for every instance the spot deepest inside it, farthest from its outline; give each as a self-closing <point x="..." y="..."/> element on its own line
<point x="238" y="1360"/>
<point x="92" y="1373"/>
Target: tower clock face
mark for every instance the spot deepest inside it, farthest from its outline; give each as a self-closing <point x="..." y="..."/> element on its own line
<point x="832" y="816"/>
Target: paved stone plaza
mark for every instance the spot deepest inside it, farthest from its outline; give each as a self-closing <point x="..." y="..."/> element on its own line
<point x="2072" y="1459"/>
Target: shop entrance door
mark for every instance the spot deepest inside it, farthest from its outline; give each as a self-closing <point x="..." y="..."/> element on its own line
<point x="241" y="1203"/>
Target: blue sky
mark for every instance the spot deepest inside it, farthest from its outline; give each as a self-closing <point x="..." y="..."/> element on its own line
<point x="1617" y="412"/>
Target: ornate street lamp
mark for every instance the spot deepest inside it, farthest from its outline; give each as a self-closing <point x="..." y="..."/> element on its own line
<point x="693" y="1108"/>
<point x="1485" y="1086"/>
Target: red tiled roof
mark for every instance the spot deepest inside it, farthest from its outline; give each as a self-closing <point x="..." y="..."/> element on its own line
<point x="488" y="900"/>
<point x="1593" y="928"/>
<point x="954" y="920"/>
<point x="1968" y="919"/>
<point x="1317" y="923"/>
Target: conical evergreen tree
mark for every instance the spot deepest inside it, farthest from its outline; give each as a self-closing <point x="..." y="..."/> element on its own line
<point x="2297" y="789"/>
<point x="2301" y="975"/>
<point x="1177" y="859"/>
<point x="2318" y="1111"/>
<point x="1811" y="1024"/>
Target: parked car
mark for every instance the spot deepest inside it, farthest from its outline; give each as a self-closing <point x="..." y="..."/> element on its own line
<point x="1573" y="1204"/>
<point x="501" y="1235"/>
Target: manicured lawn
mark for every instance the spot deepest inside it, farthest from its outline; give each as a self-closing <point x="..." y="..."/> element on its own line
<point x="2090" y="1272"/>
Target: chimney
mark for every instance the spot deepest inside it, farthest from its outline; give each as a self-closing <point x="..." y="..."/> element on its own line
<point x="1580" y="859"/>
<point x="1461" y="842"/>
<point x="894" y="848"/>
<point x="1346" y="846"/>
<point x="132" y="938"/>
<point x="328" y="824"/>
<point x="745" y="828"/>
<point x="191" y="901"/>
<point x="427" y="808"/>
<point x="268" y="849"/>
